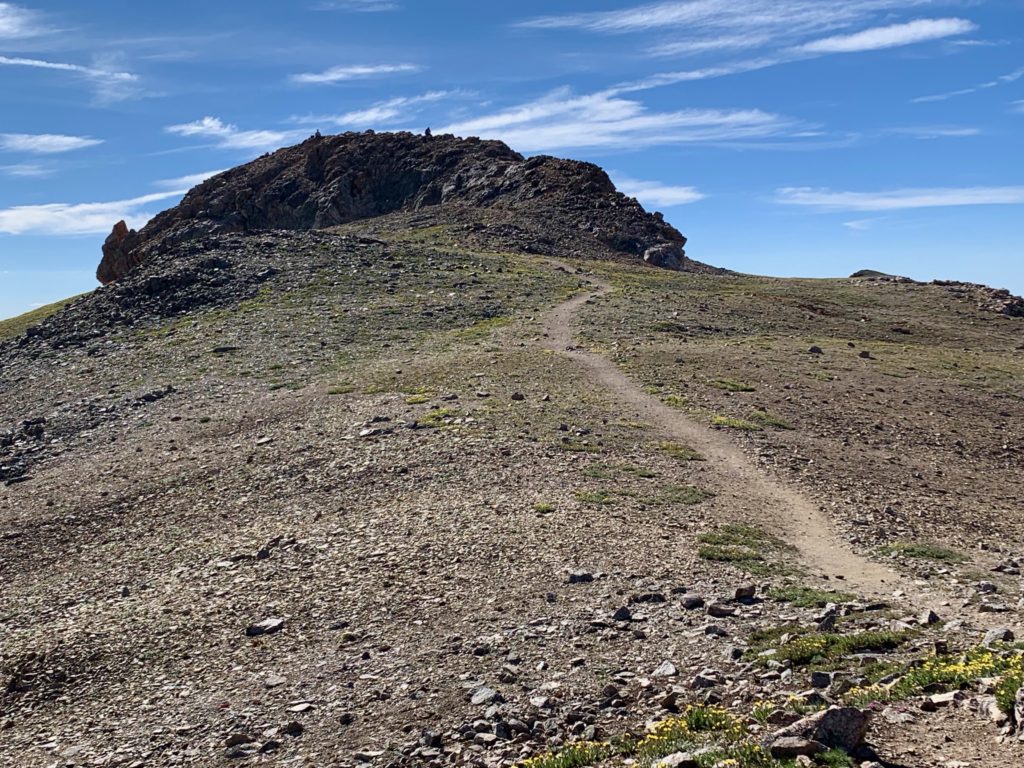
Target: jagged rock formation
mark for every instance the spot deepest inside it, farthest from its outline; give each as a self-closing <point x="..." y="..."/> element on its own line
<point x="118" y="253"/>
<point x="541" y="204"/>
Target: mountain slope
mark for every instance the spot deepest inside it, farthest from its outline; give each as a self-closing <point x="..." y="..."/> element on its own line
<point x="378" y="494"/>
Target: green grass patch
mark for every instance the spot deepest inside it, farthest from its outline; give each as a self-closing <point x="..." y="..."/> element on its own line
<point x="749" y="559"/>
<point x="543" y="508"/>
<point x="676" y="401"/>
<point x="418" y="399"/>
<point x="729" y="422"/>
<point x="731" y="385"/>
<point x="1006" y="689"/>
<point x="15" y="326"/>
<point x="442" y="417"/>
<point x="818" y="648"/>
<point x="644" y="472"/>
<point x="603" y="498"/>
<point x="573" y="756"/>
<point x="951" y="672"/>
<point x="680" y="451"/>
<point x="482" y="329"/>
<point x="736" y="534"/>
<point x="577" y="446"/>
<point x="745" y="546"/>
<point x="717" y="737"/>
<point x="611" y="471"/>
<point x="808" y="597"/>
<point x="835" y="758"/>
<point x="600" y="471"/>
<point x="682" y="494"/>
<point x="766" y="419"/>
<point x="762" y="639"/>
<point x="924" y="551"/>
<point x="341" y="389"/>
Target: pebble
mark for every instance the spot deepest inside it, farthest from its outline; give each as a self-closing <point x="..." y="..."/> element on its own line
<point x="746" y="593"/>
<point x="721" y="610"/>
<point x="580" y="577"/>
<point x="665" y="669"/>
<point x="484" y="695"/>
<point x="622" y="614"/>
<point x="265" y="627"/>
<point x="691" y="602"/>
<point x="1000" y="635"/>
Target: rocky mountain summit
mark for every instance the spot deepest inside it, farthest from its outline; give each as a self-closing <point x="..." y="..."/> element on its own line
<point x="541" y="204"/>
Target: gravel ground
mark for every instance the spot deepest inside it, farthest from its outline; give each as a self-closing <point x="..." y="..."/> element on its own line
<point x="360" y="511"/>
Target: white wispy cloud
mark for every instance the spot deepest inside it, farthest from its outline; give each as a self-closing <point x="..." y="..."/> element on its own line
<point x="1018" y="107"/>
<point x="899" y="199"/>
<point x="927" y="132"/>
<point x="358" y="6"/>
<point x="228" y="136"/>
<point x="562" y="120"/>
<point x="187" y="182"/>
<point x="710" y="14"/>
<point x="91" y="72"/>
<point x="892" y="36"/>
<point x="353" y="72"/>
<point x="859" y="225"/>
<point x="769" y="32"/>
<point x="66" y="219"/>
<point x="711" y="44"/>
<point x="656" y="193"/>
<point x="107" y="83"/>
<point x="787" y="31"/>
<point x="1009" y="77"/>
<point x="758" y="20"/>
<point x="44" y="143"/>
<point x="17" y="23"/>
<point x="379" y="113"/>
<point x="976" y="43"/>
<point x="26" y="171"/>
<point x="705" y="73"/>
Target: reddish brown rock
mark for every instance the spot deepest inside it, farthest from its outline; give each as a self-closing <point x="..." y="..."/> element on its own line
<point x="118" y="254"/>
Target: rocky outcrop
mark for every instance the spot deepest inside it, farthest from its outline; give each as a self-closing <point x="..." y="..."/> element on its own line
<point x="564" y="207"/>
<point x="985" y="298"/>
<point x="118" y="253"/>
<point x="997" y="300"/>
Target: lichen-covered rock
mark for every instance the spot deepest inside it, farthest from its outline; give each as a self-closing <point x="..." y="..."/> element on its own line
<point x="1018" y="711"/>
<point x="836" y="728"/>
<point x="790" y="747"/>
<point x="541" y="204"/>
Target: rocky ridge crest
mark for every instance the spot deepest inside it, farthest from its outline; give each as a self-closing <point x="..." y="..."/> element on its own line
<point x="541" y="204"/>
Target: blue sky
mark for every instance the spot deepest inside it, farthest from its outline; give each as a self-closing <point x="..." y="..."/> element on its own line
<point x="786" y="137"/>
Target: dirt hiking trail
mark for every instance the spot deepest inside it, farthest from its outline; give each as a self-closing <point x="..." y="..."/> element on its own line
<point x="755" y="496"/>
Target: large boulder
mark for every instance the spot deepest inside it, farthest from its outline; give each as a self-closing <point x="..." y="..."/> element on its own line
<point x="835" y="728"/>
